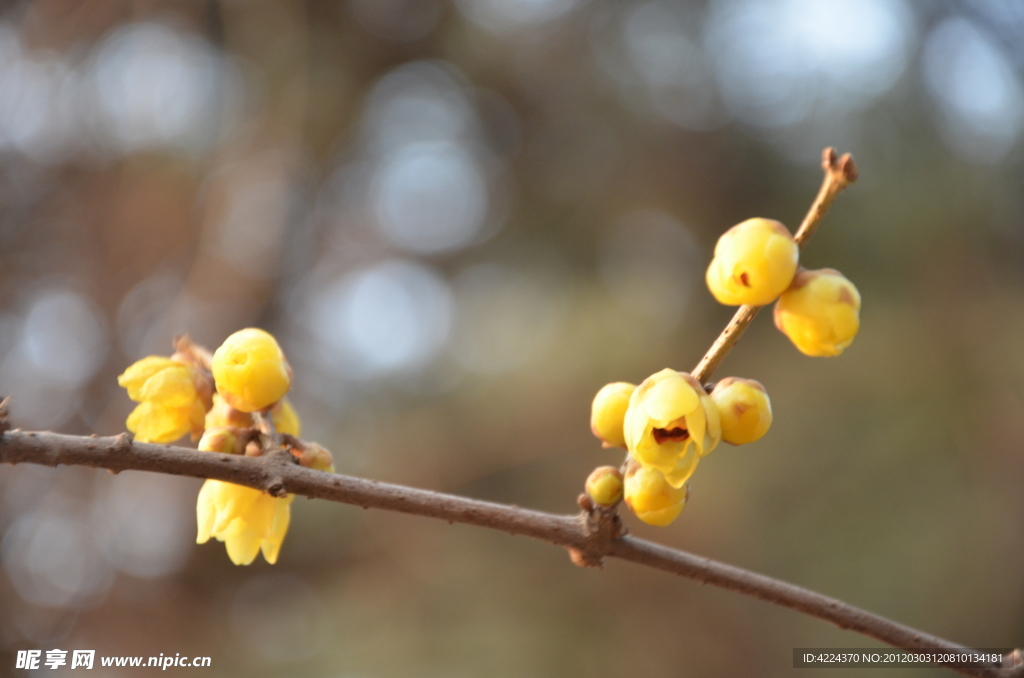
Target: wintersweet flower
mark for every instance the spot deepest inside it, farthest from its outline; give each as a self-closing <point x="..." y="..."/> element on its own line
<point x="820" y="313"/>
<point x="608" y="412"/>
<point x="169" y="402"/>
<point x="651" y="497"/>
<point x="745" y="409"/>
<point x="670" y="424"/>
<point x="250" y="370"/>
<point x="246" y="520"/>
<point x="604" y="485"/>
<point x="754" y="263"/>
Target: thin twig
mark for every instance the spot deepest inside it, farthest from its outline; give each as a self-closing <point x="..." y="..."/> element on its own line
<point x="274" y="474"/>
<point x="840" y="172"/>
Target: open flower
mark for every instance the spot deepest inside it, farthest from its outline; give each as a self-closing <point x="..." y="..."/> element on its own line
<point x="670" y="424"/>
<point x="651" y="497"/>
<point x="250" y="370"/>
<point x="246" y="520"/>
<point x="169" y="402"/>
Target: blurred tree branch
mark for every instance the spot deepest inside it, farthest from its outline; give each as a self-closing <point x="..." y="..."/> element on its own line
<point x="587" y="533"/>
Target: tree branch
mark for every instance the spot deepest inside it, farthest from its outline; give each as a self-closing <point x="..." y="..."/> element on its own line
<point x="840" y="172"/>
<point x="280" y="474"/>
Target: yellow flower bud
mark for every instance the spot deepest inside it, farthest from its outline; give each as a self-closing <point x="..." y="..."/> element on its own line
<point x="250" y="370"/>
<point x="608" y="412"/>
<point x="754" y="263"/>
<point x="604" y="485"/>
<point x="670" y="424"/>
<point x="820" y="313"/>
<point x="246" y="520"/>
<point x="170" y="405"/>
<point x="221" y="439"/>
<point x="651" y="497"/>
<point x="745" y="409"/>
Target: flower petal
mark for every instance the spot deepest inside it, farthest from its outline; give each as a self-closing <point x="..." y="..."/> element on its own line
<point x="135" y="377"/>
<point x="170" y="387"/>
<point x="669" y="398"/>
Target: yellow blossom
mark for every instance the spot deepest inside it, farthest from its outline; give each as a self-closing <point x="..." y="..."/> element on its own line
<point x="670" y="424"/>
<point x="651" y="497"/>
<point x="604" y="485"/>
<point x="820" y="313"/>
<point x="608" y="412"/>
<point x="169" y="403"/>
<point x="246" y="520"/>
<point x="745" y="409"/>
<point x="250" y="370"/>
<point x="754" y="263"/>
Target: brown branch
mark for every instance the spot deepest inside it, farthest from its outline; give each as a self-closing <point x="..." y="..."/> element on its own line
<point x="840" y="172"/>
<point x="589" y="534"/>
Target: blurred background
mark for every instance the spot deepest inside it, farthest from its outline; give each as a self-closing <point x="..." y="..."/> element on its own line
<point x="463" y="218"/>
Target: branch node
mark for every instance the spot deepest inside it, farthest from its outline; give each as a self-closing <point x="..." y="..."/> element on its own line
<point x="600" y="526"/>
<point x="276" y="488"/>
<point x="281" y="455"/>
<point x="581" y="559"/>
<point x="123" y="443"/>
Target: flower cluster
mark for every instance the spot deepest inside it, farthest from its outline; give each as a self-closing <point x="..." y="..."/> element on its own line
<point x="668" y="423"/>
<point x="671" y="421"/>
<point x="756" y="262"/>
<point x="222" y="399"/>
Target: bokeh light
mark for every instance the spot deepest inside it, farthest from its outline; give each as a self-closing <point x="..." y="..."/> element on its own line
<point x="979" y="94"/>
<point x="431" y="198"/>
<point x="392" y="316"/>
<point x="155" y="86"/>
<point x="779" y="62"/>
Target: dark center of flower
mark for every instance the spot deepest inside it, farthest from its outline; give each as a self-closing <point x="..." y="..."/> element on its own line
<point x="745" y="279"/>
<point x="676" y="435"/>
